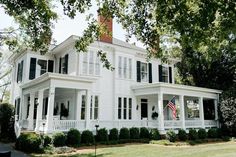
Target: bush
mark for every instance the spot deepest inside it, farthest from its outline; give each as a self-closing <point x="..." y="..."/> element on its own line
<point x="124" y="133"/>
<point x="212" y="133"/>
<point x="193" y="135"/>
<point x="7" y="121"/>
<point x="28" y="142"/>
<point x="113" y="136"/>
<point x="47" y="140"/>
<point x="171" y="136"/>
<point x="102" y="135"/>
<point x="87" y="137"/>
<point x="134" y="133"/>
<point x="182" y="135"/>
<point x="73" y="137"/>
<point x="144" y="133"/>
<point x="59" y="139"/>
<point x="202" y="134"/>
<point x="154" y="134"/>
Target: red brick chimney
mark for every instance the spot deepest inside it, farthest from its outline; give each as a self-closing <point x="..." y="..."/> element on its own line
<point x="107" y="23"/>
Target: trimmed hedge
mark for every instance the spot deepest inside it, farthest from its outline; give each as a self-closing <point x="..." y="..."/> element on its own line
<point x="73" y="137"/>
<point x="47" y="140"/>
<point x="154" y="134"/>
<point x="144" y="133"/>
<point x="182" y="135"/>
<point x="171" y="135"/>
<point x="102" y="135"/>
<point x="202" y="134"/>
<point x="59" y="139"/>
<point x="212" y="133"/>
<point x="193" y="135"/>
<point x="124" y="133"/>
<point x="134" y="133"/>
<point x="28" y="142"/>
<point x="87" y="137"/>
<point x="114" y="134"/>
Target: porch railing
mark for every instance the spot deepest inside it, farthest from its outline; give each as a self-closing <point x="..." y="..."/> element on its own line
<point x="193" y="123"/>
<point x="65" y="125"/>
<point x="210" y="123"/>
<point x="168" y="124"/>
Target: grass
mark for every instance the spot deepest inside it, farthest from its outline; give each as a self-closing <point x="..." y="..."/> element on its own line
<point x="223" y="149"/>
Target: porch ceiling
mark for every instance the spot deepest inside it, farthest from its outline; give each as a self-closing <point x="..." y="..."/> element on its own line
<point x="175" y="89"/>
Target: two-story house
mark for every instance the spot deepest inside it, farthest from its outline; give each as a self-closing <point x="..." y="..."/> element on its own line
<point x="65" y="89"/>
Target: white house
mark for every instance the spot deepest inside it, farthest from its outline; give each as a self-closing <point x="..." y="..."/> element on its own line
<point x="65" y="89"/>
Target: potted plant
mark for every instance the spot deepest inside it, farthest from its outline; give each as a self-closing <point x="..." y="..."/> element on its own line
<point x="154" y="115"/>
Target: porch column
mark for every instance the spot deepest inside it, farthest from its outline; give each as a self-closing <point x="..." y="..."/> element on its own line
<point x="216" y="112"/>
<point x="201" y="111"/>
<point x="31" y="112"/>
<point x="87" y="113"/>
<point x="78" y="104"/>
<point x="49" y="121"/>
<point x="182" y="112"/>
<point x="160" y="110"/>
<point x="39" y="109"/>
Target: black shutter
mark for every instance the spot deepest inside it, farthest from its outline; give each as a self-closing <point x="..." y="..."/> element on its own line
<point x="60" y="66"/>
<point x="32" y="68"/>
<point x="150" y="72"/>
<point x="170" y="74"/>
<point x="160" y="73"/>
<point x="66" y="63"/>
<point x="50" y="65"/>
<point x="46" y="106"/>
<point x="138" y="71"/>
<point x="18" y="72"/>
<point x="21" y="74"/>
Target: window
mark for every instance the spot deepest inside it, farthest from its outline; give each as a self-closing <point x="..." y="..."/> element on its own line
<point x="96" y="102"/>
<point x="192" y="108"/>
<point x="119" y="107"/>
<point x="130" y="108"/>
<point x="144" y="72"/>
<point x="83" y="105"/>
<point x="130" y="69"/>
<point x="165" y="74"/>
<point x="91" y="108"/>
<point x="120" y="67"/>
<point x="97" y="66"/>
<point x="125" y="67"/>
<point x="125" y="108"/>
<point x="20" y="71"/>
<point x="91" y="63"/>
<point x="43" y="66"/>
<point x="32" y="68"/>
<point x="85" y="63"/>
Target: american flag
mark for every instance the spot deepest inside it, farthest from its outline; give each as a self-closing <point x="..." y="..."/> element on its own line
<point x="172" y="106"/>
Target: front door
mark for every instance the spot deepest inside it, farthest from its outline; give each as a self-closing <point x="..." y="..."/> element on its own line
<point x="144" y="109"/>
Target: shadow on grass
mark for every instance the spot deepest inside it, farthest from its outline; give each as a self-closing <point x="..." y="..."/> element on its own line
<point x="87" y="155"/>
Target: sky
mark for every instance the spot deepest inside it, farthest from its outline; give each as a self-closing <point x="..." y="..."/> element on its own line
<point x="65" y="27"/>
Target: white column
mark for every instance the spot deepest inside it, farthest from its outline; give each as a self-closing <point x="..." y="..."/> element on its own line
<point x="216" y="112"/>
<point x="78" y="104"/>
<point x="160" y="110"/>
<point x="51" y="99"/>
<point x="87" y="112"/>
<point x="39" y="109"/>
<point x="31" y="112"/>
<point x="182" y="112"/>
<point x="201" y="111"/>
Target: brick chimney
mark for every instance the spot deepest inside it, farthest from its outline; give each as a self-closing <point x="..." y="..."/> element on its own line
<point x="107" y="23"/>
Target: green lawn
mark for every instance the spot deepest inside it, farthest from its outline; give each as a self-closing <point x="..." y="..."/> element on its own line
<point x="227" y="149"/>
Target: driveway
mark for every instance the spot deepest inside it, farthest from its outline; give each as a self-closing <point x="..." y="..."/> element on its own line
<point x="14" y="153"/>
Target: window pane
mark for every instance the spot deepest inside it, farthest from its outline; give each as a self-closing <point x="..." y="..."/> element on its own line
<point x="96" y="107"/>
<point x="91" y="63"/>
<point x="119" y="108"/>
<point x="130" y="68"/>
<point x="97" y="68"/>
<point x="85" y="62"/>
<point x="130" y="108"/>
<point x="165" y="76"/>
<point x="91" y="108"/>
<point x="125" y="108"/>
<point x="83" y="107"/>
<point x="43" y="66"/>
<point x="125" y="67"/>
<point x="120" y="67"/>
<point x="144" y="77"/>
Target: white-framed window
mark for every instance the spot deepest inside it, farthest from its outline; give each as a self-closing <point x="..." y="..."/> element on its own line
<point x="144" y="72"/>
<point x="90" y="63"/>
<point x="165" y="74"/>
<point x="91" y="108"/>
<point x="42" y="66"/>
<point x="120" y="66"/>
<point x="124" y="67"/>
<point x="130" y="69"/>
<point x="83" y="105"/>
<point x="124" y="108"/>
<point x="119" y="107"/>
<point x="85" y="63"/>
<point x="130" y="108"/>
<point x="97" y="66"/>
<point x="96" y="105"/>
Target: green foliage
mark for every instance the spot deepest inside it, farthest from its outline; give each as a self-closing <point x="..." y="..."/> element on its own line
<point x="144" y="133"/>
<point x="102" y="135"/>
<point x="202" y="134"/>
<point x="73" y="137"/>
<point x="134" y="133"/>
<point x="28" y="142"/>
<point x="124" y="133"/>
<point x="7" y="121"/>
<point x="212" y="133"/>
<point x="59" y="139"/>
<point x="154" y="134"/>
<point x="47" y="140"/>
<point x="182" y="135"/>
<point x="193" y="135"/>
<point x="171" y="136"/>
<point x="87" y="137"/>
<point x="114" y="134"/>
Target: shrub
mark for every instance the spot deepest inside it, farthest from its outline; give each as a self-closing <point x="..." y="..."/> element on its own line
<point x="193" y="135"/>
<point x="113" y="136"/>
<point x="144" y="133"/>
<point x="47" y="140"/>
<point x="171" y="136"/>
<point x="182" y="135"/>
<point x="212" y="133"/>
<point x="154" y="134"/>
<point x="87" y="137"/>
<point x="124" y="133"/>
<point x="134" y="133"/>
<point x="73" y="137"/>
<point x="59" y="139"/>
<point x="102" y="135"/>
<point x="202" y="134"/>
<point x="28" y="142"/>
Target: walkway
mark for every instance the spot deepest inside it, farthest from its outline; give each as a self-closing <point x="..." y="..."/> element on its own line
<point x="14" y="153"/>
